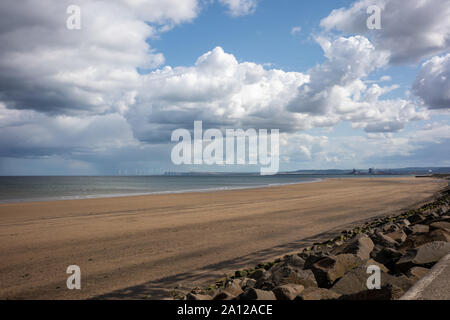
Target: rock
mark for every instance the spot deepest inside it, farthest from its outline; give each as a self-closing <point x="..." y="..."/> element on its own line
<point x="234" y="287"/>
<point x="416" y="218"/>
<point x="399" y="236"/>
<point x="288" y="291"/>
<point x="388" y="257"/>
<point x="224" y="295"/>
<point x="247" y="283"/>
<point x="193" y="296"/>
<point x="373" y="262"/>
<point x="291" y="275"/>
<point x="256" y="294"/>
<point x="260" y="274"/>
<point x="317" y="294"/>
<point x="313" y="258"/>
<point x="387" y="292"/>
<point x="329" y="269"/>
<point x="361" y="246"/>
<point x="383" y="240"/>
<point x="440" y="235"/>
<point x="266" y="285"/>
<point x="424" y="255"/>
<point x="417" y="273"/>
<point x="404" y="222"/>
<point x="402" y="282"/>
<point x="389" y="227"/>
<point x="419" y="228"/>
<point x="240" y="274"/>
<point x="295" y="261"/>
<point x="355" y="282"/>
<point x="416" y="240"/>
<point x="440" y="225"/>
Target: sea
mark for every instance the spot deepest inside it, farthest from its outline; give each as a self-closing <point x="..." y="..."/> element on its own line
<point x="34" y="188"/>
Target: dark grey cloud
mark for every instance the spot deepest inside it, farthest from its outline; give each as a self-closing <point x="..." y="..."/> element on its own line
<point x="411" y="30"/>
<point x="432" y="83"/>
<point x="390" y="126"/>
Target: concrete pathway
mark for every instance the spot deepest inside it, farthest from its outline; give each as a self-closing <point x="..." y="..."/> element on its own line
<point x="434" y="286"/>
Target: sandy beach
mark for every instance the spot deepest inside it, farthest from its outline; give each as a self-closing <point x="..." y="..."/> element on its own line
<point x="141" y="247"/>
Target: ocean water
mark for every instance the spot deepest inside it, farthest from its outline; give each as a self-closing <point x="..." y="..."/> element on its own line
<point x="25" y="189"/>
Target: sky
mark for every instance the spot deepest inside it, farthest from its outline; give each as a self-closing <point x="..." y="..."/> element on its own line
<point x="103" y="99"/>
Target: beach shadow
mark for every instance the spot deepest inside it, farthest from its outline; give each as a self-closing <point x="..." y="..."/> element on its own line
<point x="162" y="288"/>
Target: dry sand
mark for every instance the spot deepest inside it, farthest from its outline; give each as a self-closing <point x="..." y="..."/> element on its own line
<point x="137" y="247"/>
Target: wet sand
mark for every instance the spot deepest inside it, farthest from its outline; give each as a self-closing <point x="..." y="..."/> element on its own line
<point x="141" y="247"/>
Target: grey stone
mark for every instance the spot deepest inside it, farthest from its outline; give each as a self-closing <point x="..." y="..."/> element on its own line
<point x="419" y="228"/>
<point x="313" y="258"/>
<point x="424" y="255"/>
<point x="361" y="246"/>
<point x="234" y="287"/>
<point x="417" y="273"/>
<point x="247" y="283"/>
<point x="256" y="294"/>
<point x="317" y="294"/>
<point x="383" y="240"/>
<point x="390" y="227"/>
<point x="292" y="275"/>
<point x="387" y="292"/>
<point x="330" y="269"/>
<point x="416" y="218"/>
<point x="440" y="225"/>
<point x="295" y="261"/>
<point x="224" y="295"/>
<point x="193" y="296"/>
<point x="259" y="274"/>
<point x="388" y="257"/>
<point x="288" y="291"/>
<point x="399" y="236"/>
<point x="355" y="281"/>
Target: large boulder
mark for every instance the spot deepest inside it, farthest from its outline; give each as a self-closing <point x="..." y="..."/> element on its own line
<point x="355" y="282"/>
<point x="361" y="246"/>
<point x="418" y="239"/>
<point x="440" y="235"/>
<point x="330" y="269"/>
<point x="247" y="283"/>
<point x="416" y="218"/>
<point x="425" y="255"/>
<point x="256" y="294"/>
<point x="234" y="287"/>
<point x="260" y="274"/>
<point x="288" y="291"/>
<point x="399" y="236"/>
<point x="419" y="228"/>
<point x="193" y="296"/>
<point x="224" y="295"/>
<point x="382" y="240"/>
<point x="313" y="258"/>
<point x="294" y="261"/>
<point x="440" y="225"/>
<point x="417" y="273"/>
<point x="317" y="294"/>
<point x="287" y="274"/>
<point x="388" y="257"/>
<point x="387" y="292"/>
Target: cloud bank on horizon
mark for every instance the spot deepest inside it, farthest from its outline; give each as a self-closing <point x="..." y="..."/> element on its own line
<point x="102" y="98"/>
